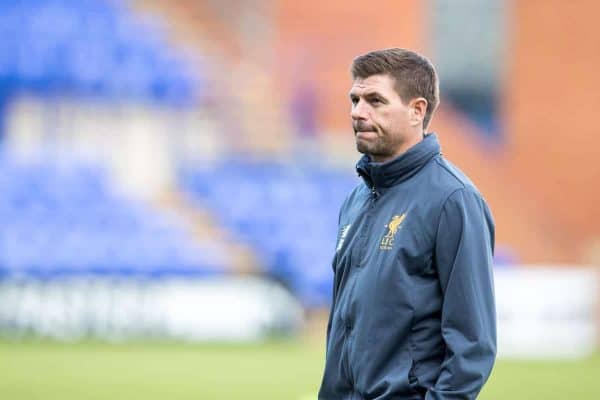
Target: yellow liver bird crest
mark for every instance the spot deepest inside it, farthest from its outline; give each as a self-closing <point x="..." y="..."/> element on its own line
<point x="394" y="225"/>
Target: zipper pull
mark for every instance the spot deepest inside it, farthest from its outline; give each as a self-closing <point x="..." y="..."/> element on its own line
<point x="374" y="192"/>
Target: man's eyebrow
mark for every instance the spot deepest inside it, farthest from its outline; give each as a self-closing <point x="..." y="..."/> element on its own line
<point x="372" y="93"/>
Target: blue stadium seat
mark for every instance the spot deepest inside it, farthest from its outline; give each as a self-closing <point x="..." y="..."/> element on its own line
<point x="288" y="214"/>
<point x="93" y="48"/>
<point x="58" y="219"/>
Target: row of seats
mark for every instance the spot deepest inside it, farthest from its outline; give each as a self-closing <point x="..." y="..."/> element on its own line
<point x="288" y="214"/>
<point x="63" y="218"/>
<point x="93" y="48"/>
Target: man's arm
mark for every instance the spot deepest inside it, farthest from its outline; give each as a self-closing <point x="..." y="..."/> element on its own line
<point x="464" y="250"/>
<point x="334" y="282"/>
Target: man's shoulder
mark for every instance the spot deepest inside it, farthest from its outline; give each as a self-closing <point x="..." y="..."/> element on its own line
<point x="446" y="178"/>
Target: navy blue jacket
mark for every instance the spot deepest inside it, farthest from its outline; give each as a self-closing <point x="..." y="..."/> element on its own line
<point x="413" y="314"/>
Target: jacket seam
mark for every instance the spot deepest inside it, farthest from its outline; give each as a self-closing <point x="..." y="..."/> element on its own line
<point x="449" y="171"/>
<point x="439" y="218"/>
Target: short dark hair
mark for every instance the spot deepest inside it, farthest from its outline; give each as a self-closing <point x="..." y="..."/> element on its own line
<point x="414" y="74"/>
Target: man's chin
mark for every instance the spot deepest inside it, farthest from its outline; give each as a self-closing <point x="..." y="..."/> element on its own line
<point x="363" y="147"/>
<point x="374" y="153"/>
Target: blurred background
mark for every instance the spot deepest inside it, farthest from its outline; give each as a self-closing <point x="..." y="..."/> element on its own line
<point x="171" y="173"/>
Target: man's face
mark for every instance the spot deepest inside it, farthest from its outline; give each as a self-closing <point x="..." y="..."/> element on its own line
<point x="383" y="124"/>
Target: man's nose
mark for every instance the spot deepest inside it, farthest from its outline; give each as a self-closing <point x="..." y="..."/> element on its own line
<point x="359" y="111"/>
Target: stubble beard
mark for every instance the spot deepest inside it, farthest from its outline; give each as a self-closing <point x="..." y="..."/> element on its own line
<point x="377" y="149"/>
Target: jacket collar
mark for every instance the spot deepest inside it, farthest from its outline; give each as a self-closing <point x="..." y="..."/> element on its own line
<point x="387" y="174"/>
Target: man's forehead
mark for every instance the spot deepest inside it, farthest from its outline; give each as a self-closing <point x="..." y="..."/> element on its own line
<point x="374" y="83"/>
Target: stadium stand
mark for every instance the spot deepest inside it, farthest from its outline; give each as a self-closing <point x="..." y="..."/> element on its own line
<point x="63" y="218"/>
<point x="287" y="213"/>
<point x="90" y="48"/>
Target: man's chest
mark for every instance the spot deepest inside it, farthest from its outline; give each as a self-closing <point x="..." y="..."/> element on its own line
<point x="391" y="232"/>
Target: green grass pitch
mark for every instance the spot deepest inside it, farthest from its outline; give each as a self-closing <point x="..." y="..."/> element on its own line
<point x="273" y="370"/>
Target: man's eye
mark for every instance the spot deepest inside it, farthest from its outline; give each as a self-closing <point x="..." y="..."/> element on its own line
<point x="376" y="101"/>
<point x="354" y="100"/>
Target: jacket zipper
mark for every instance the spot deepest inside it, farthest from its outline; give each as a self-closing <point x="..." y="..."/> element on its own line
<point x="364" y="239"/>
<point x="374" y="193"/>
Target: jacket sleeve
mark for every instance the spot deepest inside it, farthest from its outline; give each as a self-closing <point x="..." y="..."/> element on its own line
<point x="463" y="254"/>
<point x="333" y="283"/>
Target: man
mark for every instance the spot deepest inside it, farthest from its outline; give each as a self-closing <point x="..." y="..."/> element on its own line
<point x="413" y="313"/>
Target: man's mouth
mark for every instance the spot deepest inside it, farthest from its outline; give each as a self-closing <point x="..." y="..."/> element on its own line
<point x="362" y="126"/>
<point x="366" y="134"/>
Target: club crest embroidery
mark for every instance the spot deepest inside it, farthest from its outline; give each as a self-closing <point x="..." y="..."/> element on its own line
<point x="387" y="242"/>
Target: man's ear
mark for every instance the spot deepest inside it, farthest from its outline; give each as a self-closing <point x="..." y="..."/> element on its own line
<point x="418" y="109"/>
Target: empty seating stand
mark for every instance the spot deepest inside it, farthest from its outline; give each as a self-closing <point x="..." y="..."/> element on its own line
<point x="63" y="219"/>
<point x="94" y="48"/>
<point x="288" y="214"/>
